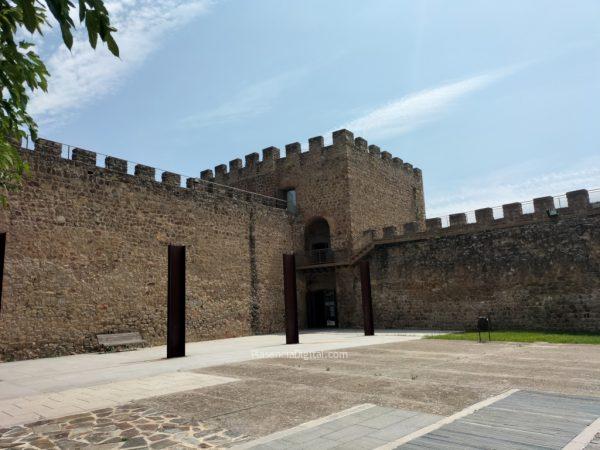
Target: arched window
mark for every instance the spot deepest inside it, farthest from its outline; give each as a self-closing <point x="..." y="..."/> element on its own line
<point x="317" y="235"/>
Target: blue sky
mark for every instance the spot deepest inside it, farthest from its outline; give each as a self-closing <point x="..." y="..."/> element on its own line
<point x="496" y="101"/>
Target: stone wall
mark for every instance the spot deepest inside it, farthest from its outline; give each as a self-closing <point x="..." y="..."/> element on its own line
<point x="87" y="249"/>
<point x="352" y="185"/>
<point x="527" y="271"/>
<point x="384" y="191"/>
<point x="87" y="254"/>
<point x="319" y="177"/>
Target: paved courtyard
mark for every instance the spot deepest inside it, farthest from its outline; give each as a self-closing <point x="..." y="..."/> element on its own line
<point x="55" y="387"/>
<point x="220" y="396"/>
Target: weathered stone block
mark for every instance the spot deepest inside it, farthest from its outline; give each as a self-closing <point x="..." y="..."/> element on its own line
<point x="343" y="137"/>
<point x="293" y="149"/>
<point x="433" y="224"/>
<point x="84" y="157"/>
<point x="191" y="183"/>
<point x="220" y="171"/>
<point x="145" y="172"/>
<point x="206" y="175"/>
<point x="235" y="165"/>
<point x="578" y="200"/>
<point x="315" y="144"/>
<point x="512" y="211"/>
<point x="115" y="164"/>
<point x="48" y="148"/>
<point x="171" y="179"/>
<point x="270" y="153"/>
<point x="252" y="160"/>
<point x="484" y="216"/>
<point x="361" y="144"/>
<point x="374" y="150"/>
<point x="458" y="219"/>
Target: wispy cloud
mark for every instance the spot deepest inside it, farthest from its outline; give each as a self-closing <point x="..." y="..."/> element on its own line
<point x="499" y="187"/>
<point x="250" y="101"/>
<point x="84" y="75"/>
<point x="419" y="108"/>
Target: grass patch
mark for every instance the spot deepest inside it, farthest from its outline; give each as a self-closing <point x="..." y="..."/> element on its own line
<point x="524" y="336"/>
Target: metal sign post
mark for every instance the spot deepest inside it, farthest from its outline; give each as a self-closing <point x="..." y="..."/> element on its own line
<point x="367" y="302"/>
<point x="176" y="302"/>
<point x="291" y="300"/>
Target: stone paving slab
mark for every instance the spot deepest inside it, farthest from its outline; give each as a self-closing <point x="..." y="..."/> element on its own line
<point x="31" y="408"/>
<point x="523" y="420"/>
<point x="46" y="375"/>
<point x="362" y="427"/>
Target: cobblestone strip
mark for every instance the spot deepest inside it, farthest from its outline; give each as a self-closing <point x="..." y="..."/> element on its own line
<point x="127" y="426"/>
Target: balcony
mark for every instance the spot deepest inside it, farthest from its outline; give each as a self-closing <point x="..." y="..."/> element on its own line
<point x="322" y="258"/>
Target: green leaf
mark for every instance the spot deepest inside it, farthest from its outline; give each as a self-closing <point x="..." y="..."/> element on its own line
<point x="55" y="9"/>
<point x="112" y="45"/>
<point x="67" y="35"/>
<point x="29" y="17"/>
<point x="91" y="22"/>
<point x="81" y="10"/>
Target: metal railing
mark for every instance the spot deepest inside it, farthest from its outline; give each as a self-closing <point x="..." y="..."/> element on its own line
<point x="560" y="201"/>
<point x="199" y="184"/>
<point x="321" y="257"/>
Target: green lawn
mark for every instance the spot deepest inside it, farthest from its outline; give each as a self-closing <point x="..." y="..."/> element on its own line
<point x="525" y="336"/>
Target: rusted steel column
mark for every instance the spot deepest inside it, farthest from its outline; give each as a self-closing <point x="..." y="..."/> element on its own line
<point x="367" y="303"/>
<point x="291" y="299"/>
<point x="176" y="302"/>
<point x="2" y="249"/>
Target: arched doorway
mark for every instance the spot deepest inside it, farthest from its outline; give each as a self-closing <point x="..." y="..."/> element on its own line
<point x="321" y="305"/>
<point x="317" y="241"/>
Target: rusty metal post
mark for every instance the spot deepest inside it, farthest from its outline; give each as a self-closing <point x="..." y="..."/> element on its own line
<point x="291" y="299"/>
<point x="176" y="302"/>
<point x="2" y="249"/>
<point x="367" y="302"/>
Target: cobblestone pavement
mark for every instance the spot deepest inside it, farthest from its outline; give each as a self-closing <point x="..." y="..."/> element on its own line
<point x="127" y="426"/>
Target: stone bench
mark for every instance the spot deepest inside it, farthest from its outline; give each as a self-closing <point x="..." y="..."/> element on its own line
<point x="120" y="339"/>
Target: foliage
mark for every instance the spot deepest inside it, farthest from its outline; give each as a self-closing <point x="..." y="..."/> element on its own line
<point x="22" y="70"/>
<point x="525" y="336"/>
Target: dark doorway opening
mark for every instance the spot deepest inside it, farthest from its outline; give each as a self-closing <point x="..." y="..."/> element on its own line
<point x="321" y="309"/>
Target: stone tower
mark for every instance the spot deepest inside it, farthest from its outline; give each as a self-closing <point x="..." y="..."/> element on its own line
<point x="340" y="193"/>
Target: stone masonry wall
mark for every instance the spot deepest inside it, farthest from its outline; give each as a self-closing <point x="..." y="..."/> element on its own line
<point x="87" y="254"/>
<point x="384" y="191"/>
<point x="527" y="271"/>
<point x="319" y="177"/>
<point x="354" y="186"/>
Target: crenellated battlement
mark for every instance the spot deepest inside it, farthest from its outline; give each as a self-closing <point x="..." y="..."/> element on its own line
<point x="53" y="152"/>
<point x="510" y="214"/>
<point x="343" y="142"/>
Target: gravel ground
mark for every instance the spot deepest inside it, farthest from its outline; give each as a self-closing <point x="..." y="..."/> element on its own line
<point x="431" y="376"/>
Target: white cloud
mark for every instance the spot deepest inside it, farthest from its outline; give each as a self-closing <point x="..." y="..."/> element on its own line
<point x="499" y="187"/>
<point x="250" y="101"/>
<point x="84" y="75"/>
<point x="419" y="108"/>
